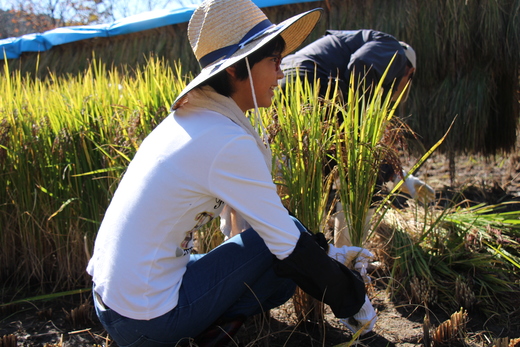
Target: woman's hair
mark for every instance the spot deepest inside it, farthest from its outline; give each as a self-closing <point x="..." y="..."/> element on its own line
<point x="221" y="82"/>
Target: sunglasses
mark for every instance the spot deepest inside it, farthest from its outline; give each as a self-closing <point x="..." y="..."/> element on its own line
<point x="277" y="60"/>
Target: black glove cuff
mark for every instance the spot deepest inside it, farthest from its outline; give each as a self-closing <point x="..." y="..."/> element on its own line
<point x="320" y="239"/>
<point x="322" y="277"/>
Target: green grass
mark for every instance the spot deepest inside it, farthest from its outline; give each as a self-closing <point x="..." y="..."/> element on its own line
<point x="66" y="141"/>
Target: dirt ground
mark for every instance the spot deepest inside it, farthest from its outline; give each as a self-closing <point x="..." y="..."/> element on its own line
<point x="65" y="322"/>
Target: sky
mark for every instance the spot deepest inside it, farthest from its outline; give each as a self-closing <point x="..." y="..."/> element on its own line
<point x="126" y="8"/>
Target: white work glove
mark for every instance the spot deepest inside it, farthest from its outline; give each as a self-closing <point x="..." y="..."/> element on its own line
<point x="364" y="320"/>
<point x="416" y="188"/>
<point x="353" y="257"/>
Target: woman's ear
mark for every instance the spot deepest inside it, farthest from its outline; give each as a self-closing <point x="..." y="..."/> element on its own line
<point x="232" y="71"/>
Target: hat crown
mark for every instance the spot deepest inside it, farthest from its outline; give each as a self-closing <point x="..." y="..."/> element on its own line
<point x="216" y="24"/>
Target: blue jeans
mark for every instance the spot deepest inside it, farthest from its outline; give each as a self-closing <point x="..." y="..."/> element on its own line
<point x="234" y="279"/>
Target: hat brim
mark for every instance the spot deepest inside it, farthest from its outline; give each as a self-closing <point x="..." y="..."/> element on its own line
<point x="293" y="30"/>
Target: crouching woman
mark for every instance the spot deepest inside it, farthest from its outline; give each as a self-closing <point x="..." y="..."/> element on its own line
<point x="149" y="289"/>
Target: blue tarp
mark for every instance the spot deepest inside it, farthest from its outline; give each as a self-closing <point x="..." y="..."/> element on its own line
<point x="13" y="47"/>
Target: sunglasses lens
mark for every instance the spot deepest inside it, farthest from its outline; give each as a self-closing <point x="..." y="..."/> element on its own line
<point x="277" y="60"/>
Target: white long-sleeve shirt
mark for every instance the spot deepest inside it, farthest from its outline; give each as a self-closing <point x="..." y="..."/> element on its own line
<point x="192" y="164"/>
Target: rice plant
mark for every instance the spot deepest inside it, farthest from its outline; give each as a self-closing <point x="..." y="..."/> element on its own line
<point x="359" y="154"/>
<point x="301" y="130"/>
<point x="454" y="257"/>
<point x="64" y="144"/>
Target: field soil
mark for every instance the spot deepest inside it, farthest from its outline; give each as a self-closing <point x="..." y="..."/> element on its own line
<point x="71" y="321"/>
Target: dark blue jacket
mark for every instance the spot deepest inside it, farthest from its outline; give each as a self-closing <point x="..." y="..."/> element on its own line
<point x="340" y="52"/>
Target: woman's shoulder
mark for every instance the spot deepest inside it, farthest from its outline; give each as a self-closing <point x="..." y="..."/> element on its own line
<point x="208" y="126"/>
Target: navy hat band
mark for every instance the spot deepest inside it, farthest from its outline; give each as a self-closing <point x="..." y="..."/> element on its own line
<point x="228" y="51"/>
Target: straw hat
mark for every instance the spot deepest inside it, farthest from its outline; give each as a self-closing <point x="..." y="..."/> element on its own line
<point x="409" y="52"/>
<point x="221" y="32"/>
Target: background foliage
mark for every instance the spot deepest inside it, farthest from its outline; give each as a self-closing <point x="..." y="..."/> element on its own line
<point x="468" y="62"/>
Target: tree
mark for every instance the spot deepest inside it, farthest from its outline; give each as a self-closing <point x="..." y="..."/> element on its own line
<point x="30" y="16"/>
<point x="15" y="23"/>
<point x="20" y="17"/>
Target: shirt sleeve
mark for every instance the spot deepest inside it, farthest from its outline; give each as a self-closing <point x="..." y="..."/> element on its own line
<point x="240" y="177"/>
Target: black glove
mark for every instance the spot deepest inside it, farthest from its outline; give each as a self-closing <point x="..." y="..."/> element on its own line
<point x="320" y="239"/>
<point x="322" y="277"/>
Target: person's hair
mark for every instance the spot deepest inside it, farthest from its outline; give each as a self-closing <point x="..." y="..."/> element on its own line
<point x="221" y="82"/>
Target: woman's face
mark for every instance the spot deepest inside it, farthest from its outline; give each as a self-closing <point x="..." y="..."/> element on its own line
<point x="265" y="75"/>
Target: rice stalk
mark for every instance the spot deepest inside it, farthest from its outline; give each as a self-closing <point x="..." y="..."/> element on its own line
<point x="451" y="332"/>
<point x="65" y="141"/>
<point x="361" y="148"/>
<point x="301" y="135"/>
